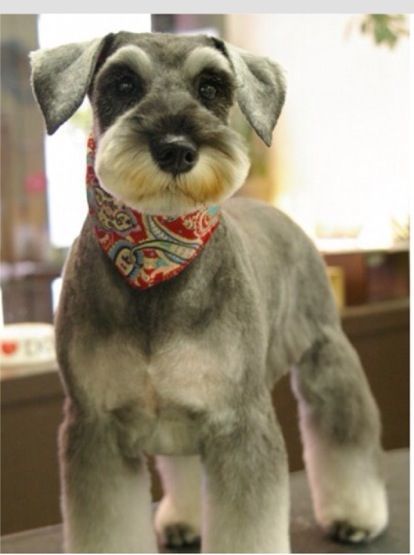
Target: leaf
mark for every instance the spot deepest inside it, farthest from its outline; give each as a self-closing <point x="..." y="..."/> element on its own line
<point x="385" y="29"/>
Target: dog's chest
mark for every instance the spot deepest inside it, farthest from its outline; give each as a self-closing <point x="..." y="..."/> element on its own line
<point x="162" y="395"/>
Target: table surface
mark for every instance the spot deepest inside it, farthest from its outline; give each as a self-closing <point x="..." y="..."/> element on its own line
<point x="306" y="537"/>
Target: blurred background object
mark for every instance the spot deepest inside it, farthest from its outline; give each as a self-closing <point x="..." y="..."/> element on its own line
<point x="385" y="29"/>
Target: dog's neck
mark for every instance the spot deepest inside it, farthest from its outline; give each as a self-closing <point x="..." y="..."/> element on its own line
<point x="145" y="249"/>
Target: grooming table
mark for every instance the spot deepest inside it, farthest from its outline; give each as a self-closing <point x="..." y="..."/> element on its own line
<point x="306" y="536"/>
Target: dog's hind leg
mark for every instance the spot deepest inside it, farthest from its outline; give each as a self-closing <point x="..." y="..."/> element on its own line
<point x="340" y="429"/>
<point x="106" y="501"/>
<point x="177" y="520"/>
<point x="245" y="487"/>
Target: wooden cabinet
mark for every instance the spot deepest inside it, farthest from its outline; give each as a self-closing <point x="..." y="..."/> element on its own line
<point x="372" y="276"/>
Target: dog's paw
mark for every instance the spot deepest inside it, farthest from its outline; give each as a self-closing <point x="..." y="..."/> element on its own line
<point x="177" y="526"/>
<point x="347" y="533"/>
<point x="348" y="492"/>
<point x="354" y="519"/>
<point x="180" y="535"/>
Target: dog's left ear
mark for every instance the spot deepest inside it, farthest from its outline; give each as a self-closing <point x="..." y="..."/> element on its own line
<point x="261" y="89"/>
<point x="61" y="77"/>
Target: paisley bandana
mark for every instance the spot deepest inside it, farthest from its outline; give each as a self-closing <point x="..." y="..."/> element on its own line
<point x="145" y="249"/>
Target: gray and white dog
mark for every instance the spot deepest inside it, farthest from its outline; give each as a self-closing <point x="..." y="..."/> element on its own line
<point x="184" y="369"/>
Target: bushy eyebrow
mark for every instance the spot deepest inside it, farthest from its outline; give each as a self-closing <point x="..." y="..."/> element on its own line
<point x="133" y="57"/>
<point x="206" y="57"/>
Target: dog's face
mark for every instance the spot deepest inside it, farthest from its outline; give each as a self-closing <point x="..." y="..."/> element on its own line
<point x="161" y="106"/>
<point x="161" y="110"/>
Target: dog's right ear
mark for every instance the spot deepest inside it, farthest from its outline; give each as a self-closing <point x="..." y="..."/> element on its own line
<point x="61" y="77"/>
<point x="261" y="88"/>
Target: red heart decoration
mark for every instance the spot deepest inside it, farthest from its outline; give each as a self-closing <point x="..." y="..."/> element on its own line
<point x="8" y="347"/>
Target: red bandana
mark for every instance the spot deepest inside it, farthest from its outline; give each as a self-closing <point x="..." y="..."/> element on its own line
<point x="145" y="249"/>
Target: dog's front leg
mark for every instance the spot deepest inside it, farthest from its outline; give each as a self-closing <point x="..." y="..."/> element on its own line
<point x="105" y="495"/>
<point x="246" y="497"/>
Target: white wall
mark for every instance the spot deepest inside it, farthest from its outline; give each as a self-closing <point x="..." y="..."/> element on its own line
<point x="342" y="141"/>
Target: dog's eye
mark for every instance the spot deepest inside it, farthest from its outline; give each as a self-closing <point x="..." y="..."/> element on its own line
<point x="207" y="91"/>
<point x="126" y="85"/>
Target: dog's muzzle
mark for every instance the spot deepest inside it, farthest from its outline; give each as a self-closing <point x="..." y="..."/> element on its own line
<point x="174" y="153"/>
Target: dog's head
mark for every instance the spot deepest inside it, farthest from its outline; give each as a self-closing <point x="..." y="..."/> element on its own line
<point x="161" y="105"/>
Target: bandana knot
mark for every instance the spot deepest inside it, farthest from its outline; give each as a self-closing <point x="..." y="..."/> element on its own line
<point x="145" y="249"/>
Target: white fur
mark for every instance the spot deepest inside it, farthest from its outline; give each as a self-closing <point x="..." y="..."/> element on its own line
<point x="121" y="521"/>
<point x="205" y="56"/>
<point x="183" y="373"/>
<point x="127" y="171"/>
<point x="222" y="532"/>
<point x="134" y="57"/>
<point x="181" y="477"/>
<point x="181" y="504"/>
<point x="181" y="376"/>
<point x="344" y="483"/>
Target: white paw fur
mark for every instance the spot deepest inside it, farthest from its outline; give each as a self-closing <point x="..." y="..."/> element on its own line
<point x="178" y="516"/>
<point x="348" y="494"/>
<point x="177" y="525"/>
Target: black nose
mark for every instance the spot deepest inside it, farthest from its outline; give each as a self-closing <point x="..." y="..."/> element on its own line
<point x="174" y="153"/>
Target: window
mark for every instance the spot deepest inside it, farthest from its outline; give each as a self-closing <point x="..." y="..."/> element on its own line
<point x="65" y="151"/>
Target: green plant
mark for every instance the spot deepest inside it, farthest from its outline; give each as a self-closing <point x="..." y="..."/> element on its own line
<point x="385" y="29"/>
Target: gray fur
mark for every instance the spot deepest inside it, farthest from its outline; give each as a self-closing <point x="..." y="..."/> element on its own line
<point x="186" y="367"/>
<point x="62" y="76"/>
<point x="261" y="90"/>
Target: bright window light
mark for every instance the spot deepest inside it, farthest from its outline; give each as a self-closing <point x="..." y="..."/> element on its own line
<point x="65" y="152"/>
<point x="342" y="149"/>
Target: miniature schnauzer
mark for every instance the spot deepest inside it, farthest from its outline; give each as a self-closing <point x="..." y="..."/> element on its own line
<point x="180" y="311"/>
